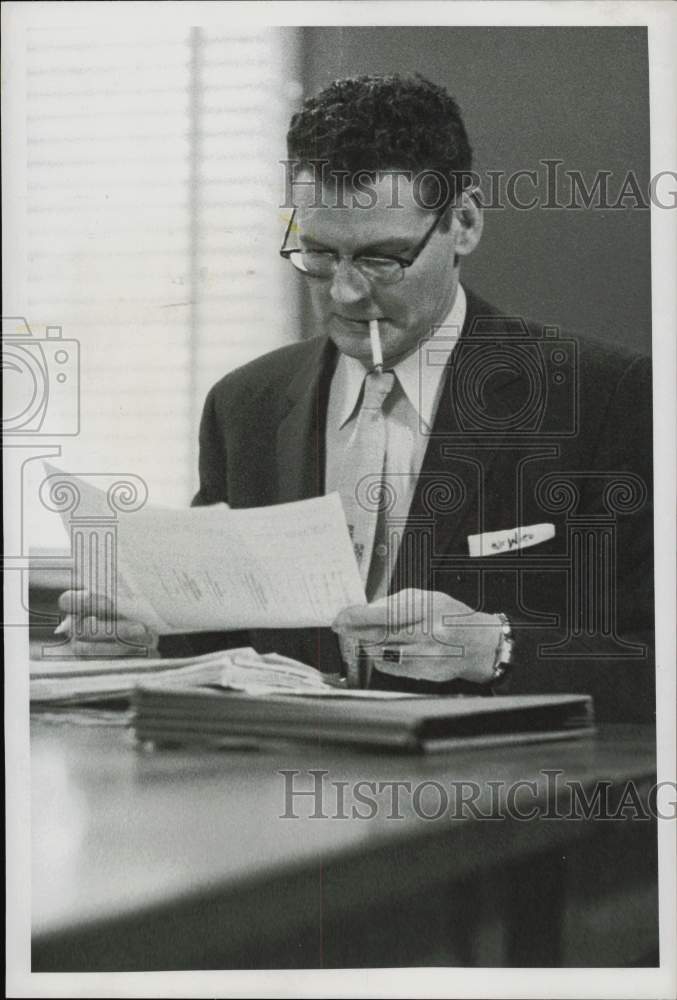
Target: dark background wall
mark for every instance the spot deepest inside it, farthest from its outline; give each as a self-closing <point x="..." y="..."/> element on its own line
<point x="528" y="94"/>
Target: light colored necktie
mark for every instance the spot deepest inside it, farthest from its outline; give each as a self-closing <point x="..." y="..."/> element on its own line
<point x="362" y="468"/>
<point x="361" y="479"/>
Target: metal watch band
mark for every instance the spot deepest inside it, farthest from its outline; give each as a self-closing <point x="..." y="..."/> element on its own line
<point x="504" y="648"/>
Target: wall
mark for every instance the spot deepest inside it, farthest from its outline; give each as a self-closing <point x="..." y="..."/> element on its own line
<point x="528" y="94"/>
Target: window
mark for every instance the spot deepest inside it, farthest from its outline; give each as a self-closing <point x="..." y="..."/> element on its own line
<point x="152" y="223"/>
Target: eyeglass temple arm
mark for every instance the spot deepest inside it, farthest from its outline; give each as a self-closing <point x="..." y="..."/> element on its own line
<point x="283" y="248"/>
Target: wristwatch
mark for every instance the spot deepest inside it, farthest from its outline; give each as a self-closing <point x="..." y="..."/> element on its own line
<point x="503" y="654"/>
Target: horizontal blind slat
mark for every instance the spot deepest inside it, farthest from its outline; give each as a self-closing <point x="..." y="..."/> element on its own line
<point x="153" y="226"/>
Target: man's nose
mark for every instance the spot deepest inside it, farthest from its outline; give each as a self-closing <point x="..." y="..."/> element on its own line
<point x="348" y="285"/>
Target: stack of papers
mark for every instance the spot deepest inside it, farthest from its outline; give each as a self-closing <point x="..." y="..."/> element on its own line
<point x="71" y="682"/>
<point x="54" y="682"/>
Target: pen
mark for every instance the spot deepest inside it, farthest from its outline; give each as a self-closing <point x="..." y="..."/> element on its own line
<point x="64" y="626"/>
<point x="376" y="352"/>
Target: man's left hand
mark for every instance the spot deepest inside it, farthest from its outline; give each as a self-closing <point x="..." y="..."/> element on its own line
<point x="426" y="635"/>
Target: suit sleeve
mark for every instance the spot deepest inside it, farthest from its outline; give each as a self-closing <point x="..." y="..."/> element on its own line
<point x="615" y="662"/>
<point x="213" y="461"/>
<point x="625" y="446"/>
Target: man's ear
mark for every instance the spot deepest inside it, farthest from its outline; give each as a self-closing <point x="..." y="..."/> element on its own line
<point x="467" y="224"/>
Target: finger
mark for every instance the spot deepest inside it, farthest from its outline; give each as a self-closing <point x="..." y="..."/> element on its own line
<point x="84" y="602"/>
<point x="102" y="630"/>
<point x="407" y="607"/>
<point x="136" y="632"/>
<point x="371" y="635"/>
<point x="70" y="599"/>
<point x="360" y="616"/>
<point x="90" y="628"/>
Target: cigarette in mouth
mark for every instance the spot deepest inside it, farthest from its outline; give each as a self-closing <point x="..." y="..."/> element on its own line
<point x="376" y="353"/>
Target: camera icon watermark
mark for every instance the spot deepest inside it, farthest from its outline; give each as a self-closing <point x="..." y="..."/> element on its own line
<point x="506" y="380"/>
<point x="41" y="381"/>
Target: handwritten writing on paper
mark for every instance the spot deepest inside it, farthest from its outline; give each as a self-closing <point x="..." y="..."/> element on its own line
<point x="493" y="542"/>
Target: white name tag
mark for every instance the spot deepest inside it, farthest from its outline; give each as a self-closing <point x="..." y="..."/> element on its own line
<point x="491" y="543"/>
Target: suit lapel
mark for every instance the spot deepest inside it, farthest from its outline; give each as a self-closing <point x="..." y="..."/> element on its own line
<point x="300" y="444"/>
<point x="460" y="465"/>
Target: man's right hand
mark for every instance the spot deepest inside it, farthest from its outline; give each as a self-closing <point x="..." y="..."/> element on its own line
<point x="94" y="630"/>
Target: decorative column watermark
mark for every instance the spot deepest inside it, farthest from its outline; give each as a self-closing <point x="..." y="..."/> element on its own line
<point x="592" y="547"/>
<point x="93" y="503"/>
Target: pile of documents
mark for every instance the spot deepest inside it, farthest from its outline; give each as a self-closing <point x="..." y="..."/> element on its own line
<point x="225" y="698"/>
<point x="78" y="681"/>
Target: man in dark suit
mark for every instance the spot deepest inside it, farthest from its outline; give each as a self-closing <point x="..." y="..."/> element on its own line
<point x="510" y="541"/>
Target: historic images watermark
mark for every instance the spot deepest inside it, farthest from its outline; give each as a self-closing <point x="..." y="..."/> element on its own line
<point x="42" y="381"/>
<point x="41" y="409"/>
<point x="530" y="423"/>
<point x="549" y="185"/>
<point x="312" y="794"/>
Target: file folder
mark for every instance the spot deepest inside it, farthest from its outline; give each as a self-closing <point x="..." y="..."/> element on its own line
<point x="210" y="716"/>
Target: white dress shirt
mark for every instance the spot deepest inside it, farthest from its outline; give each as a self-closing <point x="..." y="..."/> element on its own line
<point x="410" y="412"/>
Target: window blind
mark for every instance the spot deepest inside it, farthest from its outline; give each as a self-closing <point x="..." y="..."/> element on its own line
<point x="153" y="187"/>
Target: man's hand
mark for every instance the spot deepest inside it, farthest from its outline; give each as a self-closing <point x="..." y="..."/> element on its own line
<point x="94" y="631"/>
<point x="426" y="635"/>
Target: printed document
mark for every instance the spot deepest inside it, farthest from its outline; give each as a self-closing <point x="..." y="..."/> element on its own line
<point x="212" y="568"/>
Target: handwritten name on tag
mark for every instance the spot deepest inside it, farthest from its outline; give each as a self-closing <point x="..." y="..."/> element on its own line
<point x="492" y="543"/>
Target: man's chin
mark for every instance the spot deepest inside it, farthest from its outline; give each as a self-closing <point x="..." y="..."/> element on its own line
<point x="355" y="343"/>
<point x="353" y="346"/>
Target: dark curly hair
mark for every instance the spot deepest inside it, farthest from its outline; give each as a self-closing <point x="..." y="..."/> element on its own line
<point x="371" y="123"/>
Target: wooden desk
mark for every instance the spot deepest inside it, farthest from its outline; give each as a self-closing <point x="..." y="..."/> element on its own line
<point x="180" y="860"/>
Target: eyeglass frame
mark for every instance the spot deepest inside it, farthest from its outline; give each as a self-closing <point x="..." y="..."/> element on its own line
<point x="404" y="262"/>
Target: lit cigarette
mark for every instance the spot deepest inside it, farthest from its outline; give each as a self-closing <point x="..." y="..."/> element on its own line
<point x="376" y="352"/>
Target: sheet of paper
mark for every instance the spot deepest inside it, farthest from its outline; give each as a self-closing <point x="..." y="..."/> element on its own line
<point x="263" y="691"/>
<point x="213" y="568"/>
<point x="91" y="565"/>
<point x="287" y="566"/>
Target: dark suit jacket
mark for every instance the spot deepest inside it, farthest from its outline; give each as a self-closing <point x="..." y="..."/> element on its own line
<point x="533" y="427"/>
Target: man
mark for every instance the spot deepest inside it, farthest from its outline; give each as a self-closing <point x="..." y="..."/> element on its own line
<point x="495" y="476"/>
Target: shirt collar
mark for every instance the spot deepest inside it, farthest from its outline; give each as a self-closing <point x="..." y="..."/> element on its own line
<point x="420" y="374"/>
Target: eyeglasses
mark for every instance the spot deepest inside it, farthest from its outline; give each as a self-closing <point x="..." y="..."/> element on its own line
<point x="385" y="269"/>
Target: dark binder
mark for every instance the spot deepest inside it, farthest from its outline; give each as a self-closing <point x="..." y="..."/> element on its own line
<point x="417" y="724"/>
